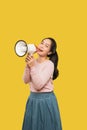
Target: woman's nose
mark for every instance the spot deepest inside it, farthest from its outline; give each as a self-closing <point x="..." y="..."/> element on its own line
<point x="42" y="46"/>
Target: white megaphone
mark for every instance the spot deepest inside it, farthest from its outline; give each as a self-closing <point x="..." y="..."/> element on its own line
<point x="21" y="48"/>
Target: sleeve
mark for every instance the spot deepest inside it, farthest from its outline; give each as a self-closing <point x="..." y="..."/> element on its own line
<point x="26" y="75"/>
<point x="41" y="78"/>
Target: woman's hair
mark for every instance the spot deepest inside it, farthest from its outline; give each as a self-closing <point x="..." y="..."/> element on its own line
<point x="54" y="57"/>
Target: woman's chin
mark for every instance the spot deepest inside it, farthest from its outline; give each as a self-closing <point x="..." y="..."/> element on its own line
<point x="40" y="53"/>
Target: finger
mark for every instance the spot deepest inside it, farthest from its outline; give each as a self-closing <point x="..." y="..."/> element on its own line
<point x="29" y="54"/>
<point x="27" y="60"/>
<point x="30" y="57"/>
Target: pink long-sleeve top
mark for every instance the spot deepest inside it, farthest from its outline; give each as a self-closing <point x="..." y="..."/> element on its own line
<point x="39" y="76"/>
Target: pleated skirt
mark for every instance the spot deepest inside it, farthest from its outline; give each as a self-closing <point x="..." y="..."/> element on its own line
<point x="42" y="112"/>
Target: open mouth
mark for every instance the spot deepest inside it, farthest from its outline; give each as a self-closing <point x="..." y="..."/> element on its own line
<point x="39" y="50"/>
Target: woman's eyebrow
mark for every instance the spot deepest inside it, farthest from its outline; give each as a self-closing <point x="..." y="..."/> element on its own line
<point x="45" y="43"/>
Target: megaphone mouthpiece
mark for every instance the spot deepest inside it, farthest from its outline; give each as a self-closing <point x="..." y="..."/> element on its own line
<point x="31" y="48"/>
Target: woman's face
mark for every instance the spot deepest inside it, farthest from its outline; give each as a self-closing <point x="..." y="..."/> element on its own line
<point x="44" y="47"/>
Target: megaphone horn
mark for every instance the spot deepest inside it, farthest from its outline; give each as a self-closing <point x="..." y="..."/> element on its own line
<point x="21" y="48"/>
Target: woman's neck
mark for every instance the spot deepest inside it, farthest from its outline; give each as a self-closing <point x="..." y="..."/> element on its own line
<point x="41" y="59"/>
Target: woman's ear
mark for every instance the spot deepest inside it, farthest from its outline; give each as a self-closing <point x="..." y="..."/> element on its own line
<point x="49" y="53"/>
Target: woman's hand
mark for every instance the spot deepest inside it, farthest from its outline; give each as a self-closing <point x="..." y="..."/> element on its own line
<point x="30" y="60"/>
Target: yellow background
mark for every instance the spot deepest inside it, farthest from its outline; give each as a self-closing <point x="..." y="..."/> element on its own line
<point x="33" y="20"/>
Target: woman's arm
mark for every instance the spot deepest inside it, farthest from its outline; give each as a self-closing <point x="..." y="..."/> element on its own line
<point x="41" y="78"/>
<point x="26" y="75"/>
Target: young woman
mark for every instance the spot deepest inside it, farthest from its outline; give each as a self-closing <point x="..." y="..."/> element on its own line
<point x="42" y="112"/>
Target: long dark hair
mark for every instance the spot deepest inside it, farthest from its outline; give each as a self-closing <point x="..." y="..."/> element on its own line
<point x="54" y="57"/>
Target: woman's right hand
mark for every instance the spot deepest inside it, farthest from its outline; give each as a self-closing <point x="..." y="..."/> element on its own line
<point x="30" y="60"/>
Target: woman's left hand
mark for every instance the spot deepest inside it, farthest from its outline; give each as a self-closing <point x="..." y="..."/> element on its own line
<point x="30" y="60"/>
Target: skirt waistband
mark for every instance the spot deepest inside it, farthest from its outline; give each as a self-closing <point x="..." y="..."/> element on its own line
<point x="41" y="95"/>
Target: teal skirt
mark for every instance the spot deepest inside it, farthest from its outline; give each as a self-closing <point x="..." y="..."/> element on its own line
<point x="42" y="112"/>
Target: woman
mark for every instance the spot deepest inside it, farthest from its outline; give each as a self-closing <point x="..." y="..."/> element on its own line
<point x="42" y="112"/>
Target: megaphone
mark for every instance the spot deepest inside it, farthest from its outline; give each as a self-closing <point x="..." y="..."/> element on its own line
<point x="21" y="48"/>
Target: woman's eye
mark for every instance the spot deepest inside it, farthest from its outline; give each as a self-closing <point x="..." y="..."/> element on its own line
<point x="46" y="45"/>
